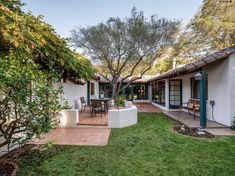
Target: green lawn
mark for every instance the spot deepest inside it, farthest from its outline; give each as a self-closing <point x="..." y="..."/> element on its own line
<point x="149" y="148"/>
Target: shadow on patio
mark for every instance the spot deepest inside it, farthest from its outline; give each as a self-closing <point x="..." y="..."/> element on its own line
<point x="188" y="120"/>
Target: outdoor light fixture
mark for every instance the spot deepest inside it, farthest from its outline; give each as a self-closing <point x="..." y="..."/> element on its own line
<point x="101" y="94"/>
<point x="198" y="76"/>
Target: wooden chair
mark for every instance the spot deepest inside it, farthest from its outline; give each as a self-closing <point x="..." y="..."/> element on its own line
<point x="83" y="103"/>
<point x="97" y="107"/>
<point x="192" y="105"/>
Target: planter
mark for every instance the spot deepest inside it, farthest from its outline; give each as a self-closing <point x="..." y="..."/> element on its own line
<point x="119" y="118"/>
<point x="68" y="118"/>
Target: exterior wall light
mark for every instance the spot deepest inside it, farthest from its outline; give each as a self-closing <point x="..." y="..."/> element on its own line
<point x="198" y="76"/>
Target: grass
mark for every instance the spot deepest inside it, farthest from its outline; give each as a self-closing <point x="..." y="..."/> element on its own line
<point x="149" y="148"/>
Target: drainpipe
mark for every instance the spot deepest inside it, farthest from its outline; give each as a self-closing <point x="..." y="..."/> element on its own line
<point x="203" y="99"/>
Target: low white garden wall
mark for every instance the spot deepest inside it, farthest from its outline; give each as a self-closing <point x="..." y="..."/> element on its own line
<point x="119" y="118"/>
<point x="68" y="117"/>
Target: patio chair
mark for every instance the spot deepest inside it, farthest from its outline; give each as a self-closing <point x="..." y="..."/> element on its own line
<point x="97" y="107"/>
<point x="83" y="103"/>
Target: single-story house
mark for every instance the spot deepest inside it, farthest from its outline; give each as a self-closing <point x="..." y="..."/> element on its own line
<point x="168" y="91"/>
<point x="171" y="89"/>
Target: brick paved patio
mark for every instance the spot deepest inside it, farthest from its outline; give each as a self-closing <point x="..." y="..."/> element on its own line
<point x="147" y="107"/>
<point x="86" y="119"/>
<point x="76" y="136"/>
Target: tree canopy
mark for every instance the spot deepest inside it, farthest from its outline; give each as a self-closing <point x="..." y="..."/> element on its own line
<point x="212" y="29"/>
<point x="23" y="31"/>
<point x="124" y="46"/>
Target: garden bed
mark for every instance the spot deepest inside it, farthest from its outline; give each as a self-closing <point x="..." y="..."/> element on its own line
<point x="194" y="132"/>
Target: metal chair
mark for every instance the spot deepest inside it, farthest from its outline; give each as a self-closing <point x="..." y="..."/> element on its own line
<point x="97" y="107"/>
<point x="83" y="103"/>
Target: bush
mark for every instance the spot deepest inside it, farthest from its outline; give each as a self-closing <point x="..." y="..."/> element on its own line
<point x="28" y="101"/>
<point x="66" y="105"/>
<point x="120" y="100"/>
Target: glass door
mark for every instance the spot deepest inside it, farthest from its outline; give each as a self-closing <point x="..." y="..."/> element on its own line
<point x="175" y="99"/>
<point x="158" y="92"/>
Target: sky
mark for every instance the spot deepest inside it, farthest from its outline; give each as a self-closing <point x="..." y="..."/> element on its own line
<point x="64" y="15"/>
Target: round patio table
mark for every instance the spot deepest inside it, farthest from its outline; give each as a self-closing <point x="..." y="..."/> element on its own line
<point x="104" y="100"/>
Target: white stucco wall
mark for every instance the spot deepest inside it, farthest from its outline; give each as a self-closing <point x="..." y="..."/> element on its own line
<point x="73" y="92"/>
<point x="232" y="85"/>
<point x="219" y="91"/>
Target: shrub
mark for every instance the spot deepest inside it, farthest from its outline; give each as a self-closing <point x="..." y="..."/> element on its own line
<point x="28" y="101"/>
<point x="120" y="100"/>
<point x="233" y="126"/>
<point x="66" y="105"/>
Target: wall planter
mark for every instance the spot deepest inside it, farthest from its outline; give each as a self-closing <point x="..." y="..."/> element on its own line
<point x="68" y="118"/>
<point x="123" y="117"/>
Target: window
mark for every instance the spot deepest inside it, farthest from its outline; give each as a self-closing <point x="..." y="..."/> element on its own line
<point x="195" y="88"/>
<point x="107" y="88"/>
<point x="92" y="88"/>
<point x="158" y="92"/>
<point x="175" y="94"/>
<point x="139" y="92"/>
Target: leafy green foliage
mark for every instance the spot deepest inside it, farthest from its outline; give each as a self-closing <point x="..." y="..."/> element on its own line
<point x="212" y="29"/>
<point x="85" y="67"/>
<point x="166" y="62"/>
<point x="32" y="58"/>
<point x="28" y="101"/>
<point x="30" y="34"/>
<point x="149" y="148"/>
<point x="120" y="100"/>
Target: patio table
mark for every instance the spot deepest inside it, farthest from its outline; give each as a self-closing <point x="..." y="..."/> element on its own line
<point x="104" y="100"/>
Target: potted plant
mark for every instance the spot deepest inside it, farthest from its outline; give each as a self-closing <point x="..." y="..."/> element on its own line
<point x="120" y="101"/>
<point x="68" y="116"/>
<point x="66" y="105"/>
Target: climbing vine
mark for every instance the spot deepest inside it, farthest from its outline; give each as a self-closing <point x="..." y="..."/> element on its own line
<point x="32" y="57"/>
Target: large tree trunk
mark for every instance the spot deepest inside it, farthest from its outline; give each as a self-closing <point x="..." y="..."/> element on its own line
<point x="115" y="84"/>
<point x="116" y="89"/>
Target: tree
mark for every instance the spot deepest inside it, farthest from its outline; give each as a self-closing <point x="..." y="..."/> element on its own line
<point x="122" y="46"/>
<point x="211" y="29"/>
<point x="167" y="61"/>
<point x="32" y="57"/>
<point x="28" y="102"/>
